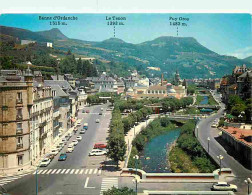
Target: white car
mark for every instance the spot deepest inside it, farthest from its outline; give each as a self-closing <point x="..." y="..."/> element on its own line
<point x="214" y="125"/>
<point x="54" y="151"/>
<point x="97" y="120"/>
<point x="45" y="162"/>
<point x="101" y="109"/>
<point x="224" y="186"/>
<point x="82" y="131"/>
<point x="75" y="142"/>
<point x="79" y="123"/>
<point x="97" y="152"/>
<point x="78" y="138"/>
<point x="70" y="148"/>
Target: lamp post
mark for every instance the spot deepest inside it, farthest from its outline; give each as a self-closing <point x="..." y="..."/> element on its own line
<point x="197" y="131"/>
<point x="221" y="158"/>
<point x="134" y="130"/>
<point x="208" y="141"/>
<point x="248" y="182"/>
<point x="136" y="157"/>
<point x="36" y="180"/>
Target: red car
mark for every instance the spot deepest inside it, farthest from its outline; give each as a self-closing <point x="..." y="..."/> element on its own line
<point x="87" y="111"/>
<point x="99" y="146"/>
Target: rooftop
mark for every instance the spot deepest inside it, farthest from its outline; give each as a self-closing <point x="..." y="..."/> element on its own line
<point x="241" y="135"/>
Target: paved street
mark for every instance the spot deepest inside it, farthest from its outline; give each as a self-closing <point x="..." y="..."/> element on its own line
<point x="81" y="174"/>
<point x="70" y="176"/>
<point x="215" y="149"/>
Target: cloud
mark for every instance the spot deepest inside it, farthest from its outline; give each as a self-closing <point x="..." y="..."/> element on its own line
<point x="242" y="53"/>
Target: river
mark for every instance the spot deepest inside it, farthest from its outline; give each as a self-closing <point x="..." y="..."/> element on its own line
<point x="154" y="155"/>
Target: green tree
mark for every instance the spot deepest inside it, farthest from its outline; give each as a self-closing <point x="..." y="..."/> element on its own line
<point x="116" y="147"/>
<point x="120" y="191"/>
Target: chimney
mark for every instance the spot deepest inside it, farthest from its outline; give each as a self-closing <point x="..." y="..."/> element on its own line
<point x="162" y="79"/>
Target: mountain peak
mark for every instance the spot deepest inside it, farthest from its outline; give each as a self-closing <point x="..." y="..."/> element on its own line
<point x="53" y="34"/>
<point x="113" y="40"/>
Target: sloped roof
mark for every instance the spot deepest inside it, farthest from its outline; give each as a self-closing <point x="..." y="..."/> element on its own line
<point x="59" y="91"/>
<point x="63" y="84"/>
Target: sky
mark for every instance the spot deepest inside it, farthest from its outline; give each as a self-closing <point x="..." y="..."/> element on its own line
<point x="226" y="34"/>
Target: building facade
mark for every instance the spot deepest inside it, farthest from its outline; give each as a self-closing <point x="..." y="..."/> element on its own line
<point x="15" y="103"/>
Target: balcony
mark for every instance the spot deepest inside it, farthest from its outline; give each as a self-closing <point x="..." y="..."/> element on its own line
<point x="19" y="131"/>
<point x="19" y="102"/>
<point x="19" y="117"/>
<point x="41" y="125"/>
<point x="19" y="145"/>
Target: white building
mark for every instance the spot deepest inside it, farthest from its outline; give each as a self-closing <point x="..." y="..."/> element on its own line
<point x="41" y="129"/>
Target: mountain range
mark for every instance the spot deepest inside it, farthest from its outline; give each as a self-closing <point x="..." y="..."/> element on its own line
<point x="186" y="54"/>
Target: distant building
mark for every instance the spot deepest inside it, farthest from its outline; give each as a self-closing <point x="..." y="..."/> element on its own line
<point x="130" y="82"/>
<point x="26" y="42"/>
<point x="103" y="83"/>
<point x="244" y="85"/>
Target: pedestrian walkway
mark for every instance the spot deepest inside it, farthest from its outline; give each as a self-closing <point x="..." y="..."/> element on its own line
<point x="11" y="178"/>
<point x="68" y="171"/>
<point x="108" y="183"/>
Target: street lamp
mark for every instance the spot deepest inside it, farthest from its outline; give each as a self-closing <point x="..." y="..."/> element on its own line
<point x="221" y="158"/>
<point x="136" y="157"/>
<point x="36" y="180"/>
<point x="134" y="130"/>
<point x="208" y="140"/>
<point x="248" y="182"/>
<point x="197" y="131"/>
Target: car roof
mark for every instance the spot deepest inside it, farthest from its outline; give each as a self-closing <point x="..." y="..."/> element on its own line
<point x="63" y="154"/>
<point x="222" y="182"/>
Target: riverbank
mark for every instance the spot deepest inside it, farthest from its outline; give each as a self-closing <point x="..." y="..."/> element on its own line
<point x="188" y="156"/>
<point x="157" y="127"/>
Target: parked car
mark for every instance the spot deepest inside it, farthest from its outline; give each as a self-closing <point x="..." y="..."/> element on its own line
<point x="54" y="152"/>
<point x="101" y="109"/>
<point x="79" y="123"/>
<point x="97" y="152"/>
<point x="50" y="156"/>
<point x="100" y="113"/>
<point x="97" y="120"/>
<point x="224" y="186"/>
<point x="85" y="126"/>
<point x="62" y="157"/>
<point x="99" y="146"/>
<point x="214" y="125"/>
<point x="75" y="142"/>
<point x="87" y="111"/>
<point x="62" y="144"/>
<point x="45" y="162"/>
<point x="83" y="111"/>
<point x="82" y="131"/>
<point x="67" y="137"/>
<point x="78" y="138"/>
<point x="59" y="147"/>
<point x="70" y="148"/>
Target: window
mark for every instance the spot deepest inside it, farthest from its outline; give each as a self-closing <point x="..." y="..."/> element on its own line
<point x="20" y="159"/>
<point x="19" y="125"/>
<point x="19" y="96"/>
<point x="20" y="140"/>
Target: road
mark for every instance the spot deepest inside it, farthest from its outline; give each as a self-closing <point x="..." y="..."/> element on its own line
<point x="80" y="174"/>
<point x="69" y="177"/>
<point x="215" y="149"/>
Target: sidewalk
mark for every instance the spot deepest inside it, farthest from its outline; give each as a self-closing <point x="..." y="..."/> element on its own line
<point x="130" y="137"/>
